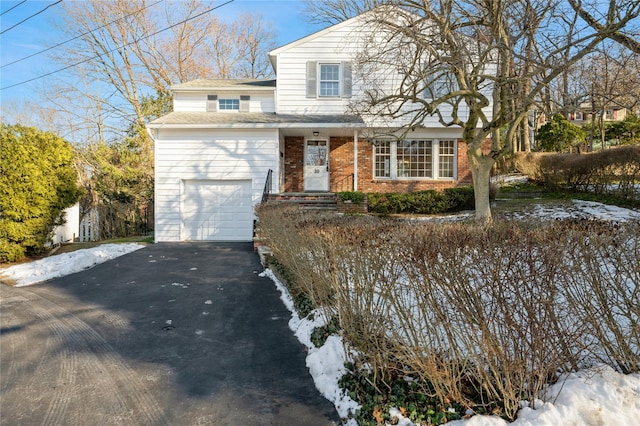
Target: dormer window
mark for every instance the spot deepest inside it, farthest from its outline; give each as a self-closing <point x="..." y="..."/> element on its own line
<point x="229" y="104"/>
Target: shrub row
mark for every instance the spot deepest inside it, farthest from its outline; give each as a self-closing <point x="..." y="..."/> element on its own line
<point x="422" y="202"/>
<point x="477" y="318"/>
<point x="614" y="171"/>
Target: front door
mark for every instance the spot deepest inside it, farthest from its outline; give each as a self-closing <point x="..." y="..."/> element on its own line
<point x="316" y="166"/>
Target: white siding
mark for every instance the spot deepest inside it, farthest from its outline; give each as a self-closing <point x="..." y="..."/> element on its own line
<point x="197" y="102"/>
<point x="183" y="155"/>
<point x="331" y="47"/>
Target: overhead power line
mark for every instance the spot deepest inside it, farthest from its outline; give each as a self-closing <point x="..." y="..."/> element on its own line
<point x="13" y="7"/>
<point x="81" y="35"/>
<point x="117" y="47"/>
<point x="29" y="17"/>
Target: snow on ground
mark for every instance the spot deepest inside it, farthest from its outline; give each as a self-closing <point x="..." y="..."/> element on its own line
<point x="326" y="364"/>
<point x="575" y="209"/>
<point x="580" y="210"/>
<point x="596" y="396"/>
<point x="590" y="397"/>
<point x="64" y="264"/>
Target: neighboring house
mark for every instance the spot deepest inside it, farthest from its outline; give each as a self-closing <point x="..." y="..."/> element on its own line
<point x="70" y="230"/>
<point x="213" y="153"/>
<point x="583" y="115"/>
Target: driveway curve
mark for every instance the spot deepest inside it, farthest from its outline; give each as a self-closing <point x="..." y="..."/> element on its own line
<point x="173" y="334"/>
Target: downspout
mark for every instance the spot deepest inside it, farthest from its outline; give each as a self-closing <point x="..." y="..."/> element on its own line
<point x="355" y="160"/>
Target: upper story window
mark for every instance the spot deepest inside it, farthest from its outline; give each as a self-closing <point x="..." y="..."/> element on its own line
<point x="229" y="104"/>
<point x="414" y="159"/>
<point x="440" y="83"/>
<point x="329" y="79"/>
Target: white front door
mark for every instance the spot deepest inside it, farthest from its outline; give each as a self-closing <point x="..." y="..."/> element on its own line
<point x="316" y="166"/>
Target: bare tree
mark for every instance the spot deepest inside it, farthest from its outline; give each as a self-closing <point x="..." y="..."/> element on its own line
<point x="131" y="50"/>
<point x="465" y="62"/>
<point x="594" y="15"/>
<point x="329" y="12"/>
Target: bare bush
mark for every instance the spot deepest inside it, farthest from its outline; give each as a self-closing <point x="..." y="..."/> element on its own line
<point x="614" y="171"/>
<point x="483" y="318"/>
<point x="601" y="287"/>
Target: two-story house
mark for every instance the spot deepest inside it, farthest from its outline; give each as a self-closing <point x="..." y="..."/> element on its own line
<point x="214" y="151"/>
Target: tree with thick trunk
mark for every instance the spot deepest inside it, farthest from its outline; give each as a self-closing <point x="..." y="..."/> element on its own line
<point x="483" y="50"/>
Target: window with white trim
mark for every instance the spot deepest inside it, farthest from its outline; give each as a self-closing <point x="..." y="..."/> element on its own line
<point x="329" y="80"/>
<point x="414" y="159"/>
<point x="446" y="158"/>
<point x="382" y="159"/>
<point x="229" y="104"/>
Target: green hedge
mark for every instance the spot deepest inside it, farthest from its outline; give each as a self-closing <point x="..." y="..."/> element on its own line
<point x="422" y="202"/>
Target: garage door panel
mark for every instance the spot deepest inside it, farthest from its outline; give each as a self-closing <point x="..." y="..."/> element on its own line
<point x="217" y="210"/>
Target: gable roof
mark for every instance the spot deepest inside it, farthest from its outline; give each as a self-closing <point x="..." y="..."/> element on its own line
<point x="218" y="84"/>
<point x="273" y="55"/>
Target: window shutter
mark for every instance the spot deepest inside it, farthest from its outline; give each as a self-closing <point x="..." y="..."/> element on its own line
<point x="212" y="103"/>
<point x="346" y="80"/>
<point x="244" y="103"/>
<point x="312" y="84"/>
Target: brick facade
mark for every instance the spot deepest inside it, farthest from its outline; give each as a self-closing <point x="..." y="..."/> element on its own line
<point x="341" y="169"/>
<point x="294" y="164"/>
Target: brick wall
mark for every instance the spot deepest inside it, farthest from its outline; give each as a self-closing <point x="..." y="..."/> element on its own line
<point x="294" y="164"/>
<point x="341" y="164"/>
<point x="341" y="167"/>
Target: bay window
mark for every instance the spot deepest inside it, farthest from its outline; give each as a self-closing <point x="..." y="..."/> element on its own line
<point x="414" y="159"/>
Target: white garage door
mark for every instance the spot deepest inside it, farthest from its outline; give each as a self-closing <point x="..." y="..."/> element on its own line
<point x="217" y="210"/>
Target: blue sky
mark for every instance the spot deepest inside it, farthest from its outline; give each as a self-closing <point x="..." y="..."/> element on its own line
<point x="38" y="33"/>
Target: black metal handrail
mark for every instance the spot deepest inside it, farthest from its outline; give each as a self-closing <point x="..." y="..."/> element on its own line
<point x="267" y="186"/>
<point x="346" y="183"/>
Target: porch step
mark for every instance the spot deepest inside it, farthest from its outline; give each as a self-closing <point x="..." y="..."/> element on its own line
<point x="308" y="200"/>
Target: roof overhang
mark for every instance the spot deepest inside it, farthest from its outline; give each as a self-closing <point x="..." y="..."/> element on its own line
<point x="212" y="120"/>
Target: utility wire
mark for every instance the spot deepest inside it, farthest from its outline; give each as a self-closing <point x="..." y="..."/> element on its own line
<point x="117" y="47"/>
<point x="29" y="17"/>
<point x="81" y="35"/>
<point x="11" y="8"/>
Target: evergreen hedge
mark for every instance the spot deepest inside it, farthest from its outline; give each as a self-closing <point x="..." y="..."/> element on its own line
<point x="422" y="202"/>
<point x="38" y="181"/>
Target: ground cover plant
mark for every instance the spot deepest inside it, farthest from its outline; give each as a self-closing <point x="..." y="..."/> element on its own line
<point x="453" y="319"/>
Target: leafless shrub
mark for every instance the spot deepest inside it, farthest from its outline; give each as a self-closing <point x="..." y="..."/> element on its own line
<point x="295" y="238"/>
<point x="613" y="171"/>
<point x="601" y="287"/>
<point x="486" y="317"/>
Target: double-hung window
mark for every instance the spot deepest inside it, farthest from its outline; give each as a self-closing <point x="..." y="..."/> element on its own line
<point x="414" y="159"/>
<point x="329" y="80"/>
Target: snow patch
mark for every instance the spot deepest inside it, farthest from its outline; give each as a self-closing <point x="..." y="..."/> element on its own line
<point x="63" y="264"/>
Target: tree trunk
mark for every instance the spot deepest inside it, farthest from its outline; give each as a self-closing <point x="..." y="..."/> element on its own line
<point x="481" y="172"/>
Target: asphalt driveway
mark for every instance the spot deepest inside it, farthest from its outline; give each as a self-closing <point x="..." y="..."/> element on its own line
<point x="176" y="334"/>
